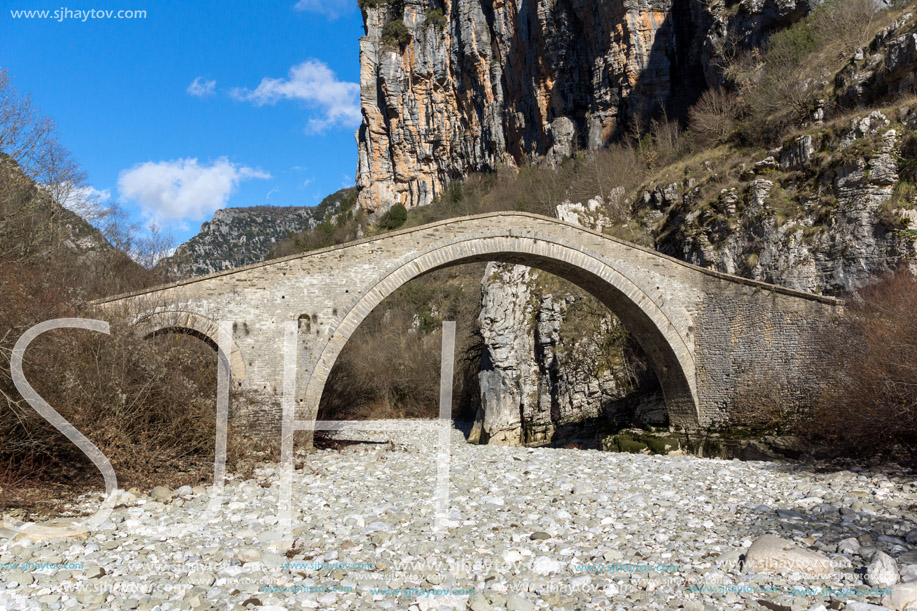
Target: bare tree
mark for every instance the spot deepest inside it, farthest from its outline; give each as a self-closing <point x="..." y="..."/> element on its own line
<point x="669" y="138"/>
<point x="149" y="250"/>
<point x="30" y="138"/>
<point x="713" y="117"/>
<point x="23" y="130"/>
<point x="847" y="24"/>
<point x="870" y="401"/>
<point x="63" y="178"/>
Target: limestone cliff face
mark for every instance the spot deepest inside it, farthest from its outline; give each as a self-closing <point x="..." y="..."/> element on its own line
<point x="474" y="84"/>
<point x="535" y="380"/>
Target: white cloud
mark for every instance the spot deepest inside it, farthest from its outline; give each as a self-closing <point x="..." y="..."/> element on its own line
<point x="312" y="82"/>
<point x="80" y="195"/>
<point x="87" y="201"/>
<point x="201" y="87"/>
<point x="330" y="8"/>
<point x="183" y="189"/>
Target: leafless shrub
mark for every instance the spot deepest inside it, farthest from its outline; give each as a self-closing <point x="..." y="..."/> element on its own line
<point x="871" y="402"/>
<point x="713" y="118"/>
<point x="148" y="250"/>
<point x="16" y="471"/>
<point x="846" y="25"/>
<point x="734" y="48"/>
<point x="669" y="139"/>
<point x="149" y="405"/>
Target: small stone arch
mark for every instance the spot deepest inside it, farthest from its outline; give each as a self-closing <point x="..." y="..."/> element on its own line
<point x="670" y="354"/>
<point x="189" y="323"/>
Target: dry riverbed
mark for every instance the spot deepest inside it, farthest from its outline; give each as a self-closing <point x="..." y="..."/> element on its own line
<point x="525" y="529"/>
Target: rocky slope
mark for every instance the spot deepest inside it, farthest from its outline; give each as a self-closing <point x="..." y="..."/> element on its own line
<point x="881" y="69"/>
<point x="34" y="225"/>
<point x="824" y="213"/>
<point x="458" y="86"/>
<point x="240" y="236"/>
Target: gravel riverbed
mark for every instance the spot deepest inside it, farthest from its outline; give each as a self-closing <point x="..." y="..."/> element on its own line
<point x="525" y="529"/>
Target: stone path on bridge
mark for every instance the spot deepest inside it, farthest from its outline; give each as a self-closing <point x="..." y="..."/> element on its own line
<point x="528" y="529"/>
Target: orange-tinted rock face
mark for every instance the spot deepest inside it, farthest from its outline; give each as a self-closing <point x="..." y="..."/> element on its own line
<point x="504" y="82"/>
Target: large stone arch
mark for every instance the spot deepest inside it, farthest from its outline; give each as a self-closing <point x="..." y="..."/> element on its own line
<point x="705" y="331"/>
<point x="672" y="356"/>
<point x="179" y="321"/>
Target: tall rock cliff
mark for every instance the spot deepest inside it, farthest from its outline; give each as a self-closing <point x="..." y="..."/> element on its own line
<point x="450" y="87"/>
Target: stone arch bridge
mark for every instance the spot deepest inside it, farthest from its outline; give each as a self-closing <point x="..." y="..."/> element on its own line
<point x="712" y="338"/>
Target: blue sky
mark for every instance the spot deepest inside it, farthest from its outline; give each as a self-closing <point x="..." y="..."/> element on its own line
<point x="199" y="105"/>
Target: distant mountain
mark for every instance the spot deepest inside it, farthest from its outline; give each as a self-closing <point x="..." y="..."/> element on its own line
<point x="241" y="236"/>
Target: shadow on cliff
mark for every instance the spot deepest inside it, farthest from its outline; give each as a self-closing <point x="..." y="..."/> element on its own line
<point x="559" y="64"/>
<point x="672" y="77"/>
